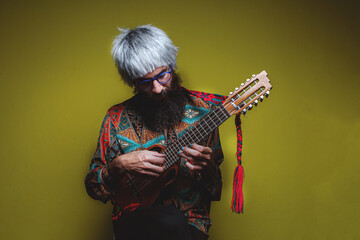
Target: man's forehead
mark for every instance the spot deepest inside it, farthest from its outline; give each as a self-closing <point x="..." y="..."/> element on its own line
<point x="154" y="73"/>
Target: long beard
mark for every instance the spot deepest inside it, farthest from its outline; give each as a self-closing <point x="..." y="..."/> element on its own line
<point x="158" y="115"/>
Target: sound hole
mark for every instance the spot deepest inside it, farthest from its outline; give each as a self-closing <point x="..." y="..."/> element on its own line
<point x="156" y="149"/>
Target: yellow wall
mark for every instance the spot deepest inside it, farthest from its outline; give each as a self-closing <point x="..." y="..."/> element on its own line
<point x="300" y="155"/>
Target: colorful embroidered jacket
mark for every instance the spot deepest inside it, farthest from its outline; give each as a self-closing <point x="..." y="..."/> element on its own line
<point x="191" y="193"/>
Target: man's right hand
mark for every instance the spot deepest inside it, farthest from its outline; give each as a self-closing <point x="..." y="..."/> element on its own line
<point x="144" y="162"/>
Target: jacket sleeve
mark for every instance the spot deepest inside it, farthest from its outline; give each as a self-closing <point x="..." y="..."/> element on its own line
<point x="97" y="179"/>
<point x="213" y="184"/>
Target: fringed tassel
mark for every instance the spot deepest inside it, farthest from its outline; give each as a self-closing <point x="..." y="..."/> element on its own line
<point x="238" y="199"/>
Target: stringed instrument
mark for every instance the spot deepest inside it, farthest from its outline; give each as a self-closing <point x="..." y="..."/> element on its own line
<point x="140" y="190"/>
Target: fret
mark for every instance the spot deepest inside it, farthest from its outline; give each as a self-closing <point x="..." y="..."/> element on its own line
<point x="180" y="143"/>
<point x="187" y="139"/>
<point x="201" y="135"/>
<point x="202" y="127"/>
<point x="194" y="136"/>
<point x="207" y="125"/>
<point x="212" y="122"/>
<point x="225" y="114"/>
<point x="217" y="116"/>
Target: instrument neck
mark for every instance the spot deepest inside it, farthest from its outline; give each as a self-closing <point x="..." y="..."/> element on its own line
<point x="195" y="134"/>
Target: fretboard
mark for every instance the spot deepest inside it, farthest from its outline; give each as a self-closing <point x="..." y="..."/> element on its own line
<point x="195" y="134"/>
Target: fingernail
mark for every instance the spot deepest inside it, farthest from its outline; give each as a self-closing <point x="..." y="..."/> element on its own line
<point x="179" y="152"/>
<point x="191" y="145"/>
<point x="182" y="148"/>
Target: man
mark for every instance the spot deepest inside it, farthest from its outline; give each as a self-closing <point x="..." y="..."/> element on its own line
<point x="160" y="113"/>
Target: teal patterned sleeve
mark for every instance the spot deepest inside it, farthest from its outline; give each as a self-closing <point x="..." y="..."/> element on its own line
<point x="97" y="180"/>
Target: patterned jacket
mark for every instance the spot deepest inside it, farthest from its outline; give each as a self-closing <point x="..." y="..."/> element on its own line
<point x="123" y="130"/>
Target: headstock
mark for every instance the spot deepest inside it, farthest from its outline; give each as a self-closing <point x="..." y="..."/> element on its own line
<point x="248" y="94"/>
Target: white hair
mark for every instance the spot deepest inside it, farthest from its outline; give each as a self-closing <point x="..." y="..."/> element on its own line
<point x="139" y="51"/>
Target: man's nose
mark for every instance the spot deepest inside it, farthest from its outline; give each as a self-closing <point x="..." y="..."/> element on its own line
<point x="157" y="87"/>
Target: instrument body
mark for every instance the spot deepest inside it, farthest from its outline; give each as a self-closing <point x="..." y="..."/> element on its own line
<point x="143" y="190"/>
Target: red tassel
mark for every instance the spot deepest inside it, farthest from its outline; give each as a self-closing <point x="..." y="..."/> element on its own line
<point x="238" y="198"/>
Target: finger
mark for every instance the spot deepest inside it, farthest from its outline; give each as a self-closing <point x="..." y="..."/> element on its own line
<point x="193" y="167"/>
<point x="194" y="161"/>
<point x="153" y="168"/>
<point x="201" y="149"/>
<point x="186" y="156"/>
<point x="153" y="153"/>
<point x="195" y="154"/>
<point x="155" y="160"/>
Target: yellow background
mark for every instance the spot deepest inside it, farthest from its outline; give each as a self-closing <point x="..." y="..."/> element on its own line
<point x="301" y="146"/>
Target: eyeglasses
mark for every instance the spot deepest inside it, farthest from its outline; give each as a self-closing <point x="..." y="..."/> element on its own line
<point x="162" y="78"/>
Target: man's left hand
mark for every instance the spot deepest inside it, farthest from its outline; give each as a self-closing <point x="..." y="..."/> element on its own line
<point x="198" y="158"/>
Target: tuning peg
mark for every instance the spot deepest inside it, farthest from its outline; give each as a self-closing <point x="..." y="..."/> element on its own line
<point x="242" y="84"/>
<point x="261" y="98"/>
<point x="247" y="80"/>
<point x="253" y="75"/>
<point x="256" y="102"/>
<point x="244" y="111"/>
<point x="230" y="93"/>
<point x="250" y="107"/>
<point x="267" y="93"/>
<point x="236" y="89"/>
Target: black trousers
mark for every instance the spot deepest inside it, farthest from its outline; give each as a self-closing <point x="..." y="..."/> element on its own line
<point x="158" y="223"/>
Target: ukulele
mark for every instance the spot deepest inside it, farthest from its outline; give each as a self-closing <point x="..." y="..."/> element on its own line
<point x="140" y="190"/>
